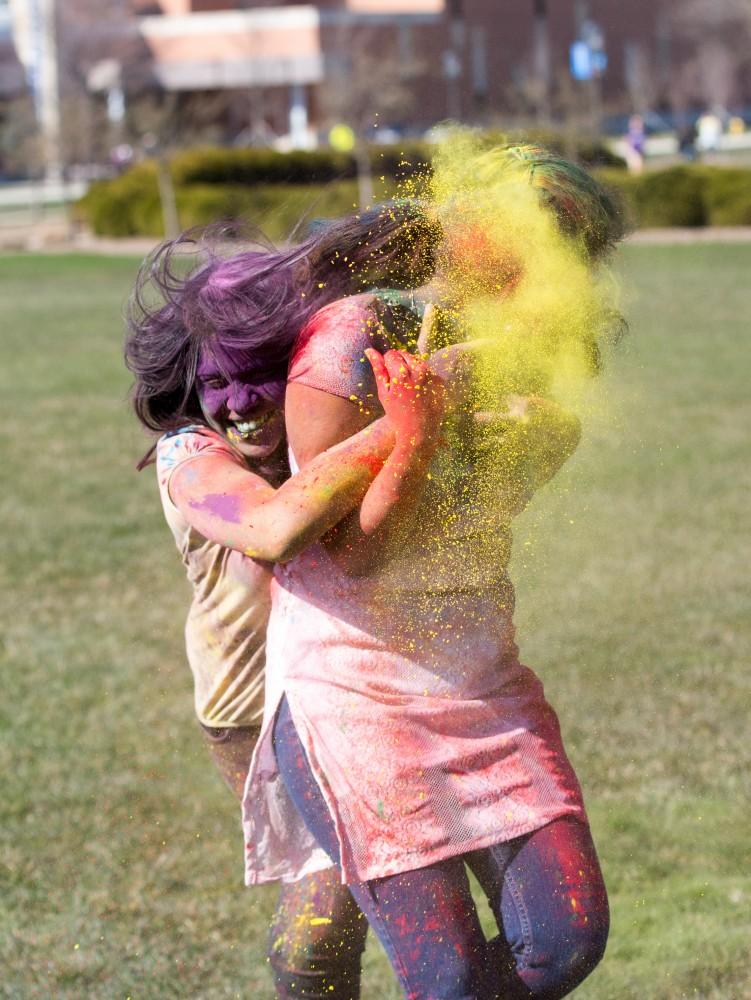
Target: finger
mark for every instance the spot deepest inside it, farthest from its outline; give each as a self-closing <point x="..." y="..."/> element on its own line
<point x="397" y="366"/>
<point x="467" y="346"/>
<point x="377" y="364"/>
<point x="426" y="336"/>
<point x="416" y="367"/>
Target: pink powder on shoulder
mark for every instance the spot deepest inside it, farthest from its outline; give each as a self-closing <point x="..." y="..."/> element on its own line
<point x="329" y="353"/>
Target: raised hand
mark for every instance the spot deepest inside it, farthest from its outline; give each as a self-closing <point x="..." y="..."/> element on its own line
<point x="413" y="397"/>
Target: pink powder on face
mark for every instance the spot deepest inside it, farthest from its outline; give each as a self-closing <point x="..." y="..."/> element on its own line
<point x="222" y="505"/>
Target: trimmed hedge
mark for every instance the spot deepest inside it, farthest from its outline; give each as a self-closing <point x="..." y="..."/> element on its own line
<point x="727" y="196"/>
<point x="214" y="165"/>
<point x="129" y="205"/>
<point x="673" y="197"/>
<point x="273" y="189"/>
<point x="690" y="195"/>
<point x="223" y="184"/>
<point x="123" y="206"/>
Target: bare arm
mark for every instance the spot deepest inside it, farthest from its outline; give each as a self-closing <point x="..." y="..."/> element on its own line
<point x="414" y="401"/>
<point x="234" y="507"/>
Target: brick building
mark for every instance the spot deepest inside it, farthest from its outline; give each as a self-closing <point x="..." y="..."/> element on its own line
<point x="474" y="60"/>
<point x="291" y="69"/>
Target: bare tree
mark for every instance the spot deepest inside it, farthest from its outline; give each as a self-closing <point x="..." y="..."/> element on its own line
<point x="367" y="84"/>
<point x="89" y="33"/>
<point x="367" y="80"/>
<point x="21" y="149"/>
<point x="719" y="31"/>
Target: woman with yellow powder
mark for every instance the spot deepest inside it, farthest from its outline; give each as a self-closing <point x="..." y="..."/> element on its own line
<point x="400" y="724"/>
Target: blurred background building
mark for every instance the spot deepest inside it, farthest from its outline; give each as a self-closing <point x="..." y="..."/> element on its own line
<point x="85" y="82"/>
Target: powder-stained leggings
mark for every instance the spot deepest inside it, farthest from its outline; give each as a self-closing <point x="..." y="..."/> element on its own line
<point x="317" y="933"/>
<point x="545" y="890"/>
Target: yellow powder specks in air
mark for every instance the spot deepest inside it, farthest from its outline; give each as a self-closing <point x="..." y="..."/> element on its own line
<point x="512" y="276"/>
<point x="515" y="279"/>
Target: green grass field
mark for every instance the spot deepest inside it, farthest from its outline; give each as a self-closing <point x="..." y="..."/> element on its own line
<point x="121" y="851"/>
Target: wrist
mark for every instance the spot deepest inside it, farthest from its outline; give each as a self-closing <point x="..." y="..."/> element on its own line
<point x="412" y="446"/>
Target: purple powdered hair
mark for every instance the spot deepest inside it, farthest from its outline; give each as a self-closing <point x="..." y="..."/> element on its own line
<point x="256" y="302"/>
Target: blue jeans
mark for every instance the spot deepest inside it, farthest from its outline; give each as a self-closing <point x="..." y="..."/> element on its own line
<point x="545" y="890"/>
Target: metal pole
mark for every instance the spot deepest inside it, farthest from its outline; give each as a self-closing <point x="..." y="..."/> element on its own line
<point x="49" y="92"/>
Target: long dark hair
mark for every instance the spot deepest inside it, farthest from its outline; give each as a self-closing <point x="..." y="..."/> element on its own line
<point x="189" y="293"/>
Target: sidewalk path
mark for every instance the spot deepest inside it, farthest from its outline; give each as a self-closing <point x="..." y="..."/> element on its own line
<point x="55" y="238"/>
<point x="703" y="234"/>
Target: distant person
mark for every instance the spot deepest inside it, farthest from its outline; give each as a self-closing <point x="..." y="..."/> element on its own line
<point x="635" y="140"/>
<point x="709" y="132"/>
<point x="121" y="157"/>
<point x="736" y="125"/>
<point x="687" y="140"/>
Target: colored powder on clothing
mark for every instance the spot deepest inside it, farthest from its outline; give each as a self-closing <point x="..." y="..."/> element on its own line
<point x="442" y="607"/>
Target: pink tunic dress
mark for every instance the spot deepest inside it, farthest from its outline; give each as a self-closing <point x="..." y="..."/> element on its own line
<point x="426" y="735"/>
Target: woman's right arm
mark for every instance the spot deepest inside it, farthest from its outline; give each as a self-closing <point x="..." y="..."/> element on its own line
<point x="234" y="507"/>
<point x="414" y="401"/>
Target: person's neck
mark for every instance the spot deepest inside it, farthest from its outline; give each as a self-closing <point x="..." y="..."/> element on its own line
<point x="275" y="468"/>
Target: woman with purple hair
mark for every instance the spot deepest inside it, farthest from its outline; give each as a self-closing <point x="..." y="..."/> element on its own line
<point x="208" y="345"/>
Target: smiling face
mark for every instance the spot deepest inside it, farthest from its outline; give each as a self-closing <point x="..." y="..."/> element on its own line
<point x="242" y="400"/>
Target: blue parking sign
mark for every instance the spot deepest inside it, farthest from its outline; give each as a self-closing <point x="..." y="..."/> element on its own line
<point x="580" y="61"/>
